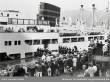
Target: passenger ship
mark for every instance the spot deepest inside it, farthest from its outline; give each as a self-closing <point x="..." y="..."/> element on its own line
<point x="80" y="35"/>
<point x="81" y="41"/>
<point x="22" y="37"/>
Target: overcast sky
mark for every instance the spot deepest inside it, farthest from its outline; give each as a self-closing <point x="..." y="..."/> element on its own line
<point x="29" y="7"/>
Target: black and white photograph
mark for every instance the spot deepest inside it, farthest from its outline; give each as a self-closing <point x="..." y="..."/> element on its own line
<point x="54" y="39"/>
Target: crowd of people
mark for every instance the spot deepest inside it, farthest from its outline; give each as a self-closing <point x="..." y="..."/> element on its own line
<point x="65" y="50"/>
<point x="49" y="64"/>
<point x="98" y="48"/>
<point x="9" y="29"/>
<point x="29" y="29"/>
<point x="67" y="62"/>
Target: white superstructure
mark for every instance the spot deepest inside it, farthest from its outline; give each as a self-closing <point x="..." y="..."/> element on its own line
<point x="23" y="37"/>
<point x="20" y="36"/>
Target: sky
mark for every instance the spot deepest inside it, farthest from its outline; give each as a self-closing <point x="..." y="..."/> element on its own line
<point x="29" y="7"/>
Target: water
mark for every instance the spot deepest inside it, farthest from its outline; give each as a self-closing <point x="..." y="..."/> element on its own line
<point x="15" y="62"/>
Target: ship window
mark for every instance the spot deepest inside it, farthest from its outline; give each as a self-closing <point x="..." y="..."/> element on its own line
<point x="101" y="37"/>
<point x="20" y="21"/>
<point x="15" y="56"/>
<point x="90" y="38"/>
<point x="46" y="41"/>
<point x="29" y="42"/>
<point x="29" y="54"/>
<point x="66" y="40"/>
<point x="9" y="42"/>
<point x="54" y="41"/>
<point x="26" y="21"/>
<point x="73" y="39"/>
<point x="81" y="39"/>
<point x="6" y="43"/>
<point x="32" y="22"/>
<point x="14" y="21"/>
<point x="15" y="43"/>
<point x="96" y="38"/>
<point x="35" y="42"/>
<point x="10" y="21"/>
<point x="19" y="42"/>
<point x="3" y="23"/>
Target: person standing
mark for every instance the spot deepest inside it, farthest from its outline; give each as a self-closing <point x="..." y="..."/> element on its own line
<point x="52" y="68"/>
<point x="38" y="71"/>
<point x="49" y="70"/>
<point x="74" y="62"/>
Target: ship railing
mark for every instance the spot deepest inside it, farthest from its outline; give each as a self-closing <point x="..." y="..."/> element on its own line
<point x="29" y="31"/>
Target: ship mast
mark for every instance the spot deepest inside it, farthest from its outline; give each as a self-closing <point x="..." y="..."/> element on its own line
<point x="107" y="10"/>
<point x="81" y="18"/>
<point x="93" y="15"/>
